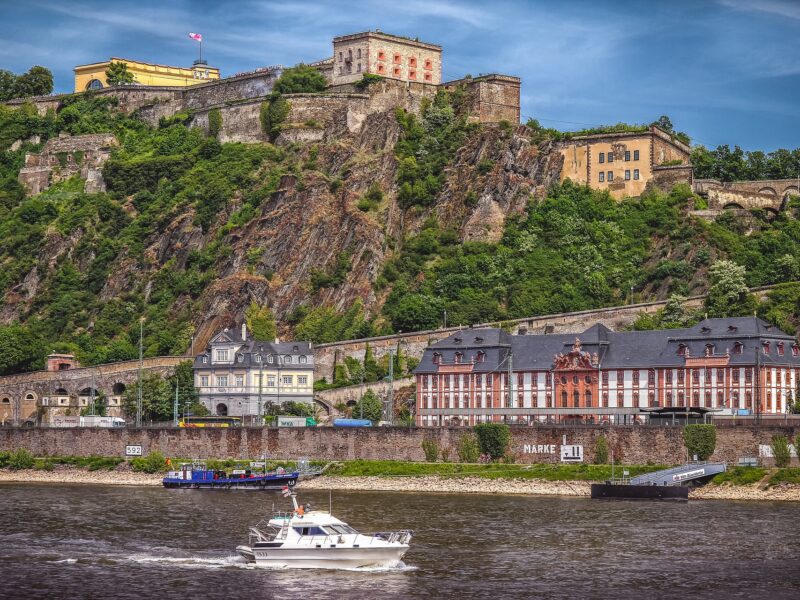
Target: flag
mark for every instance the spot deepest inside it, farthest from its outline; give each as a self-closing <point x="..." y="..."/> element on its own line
<point x="285" y="491"/>
<point x="197" y="37"/>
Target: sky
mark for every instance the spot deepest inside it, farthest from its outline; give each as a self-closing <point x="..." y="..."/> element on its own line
<point x="725" y="71"/>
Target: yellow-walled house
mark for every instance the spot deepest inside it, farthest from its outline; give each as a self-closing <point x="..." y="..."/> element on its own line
<point x="93" y="76"/>
<point x="621" y="163"/>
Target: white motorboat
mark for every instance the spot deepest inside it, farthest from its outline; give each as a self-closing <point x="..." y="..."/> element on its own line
<point x="314" y="539"/>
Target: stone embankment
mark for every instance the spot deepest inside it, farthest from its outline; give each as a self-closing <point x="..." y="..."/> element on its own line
<point x="413" y="484"/>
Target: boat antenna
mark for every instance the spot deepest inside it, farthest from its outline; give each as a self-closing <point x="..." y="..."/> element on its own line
<point x="330" y="501"/>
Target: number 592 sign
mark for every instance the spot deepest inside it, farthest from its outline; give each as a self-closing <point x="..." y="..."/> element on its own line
<point x="133" y="450"/>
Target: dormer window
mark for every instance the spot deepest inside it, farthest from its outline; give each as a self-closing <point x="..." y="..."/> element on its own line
<point x="478" y="340"/>
<point x="732" y="328"/>
<point x="437" y="358"/>
<point x="709" y="349"/>
<point x="287" y="360"/>
<point x="682" y="350"/>
<point x="269" y="359"/>
<point x="222" y="354"/>
<point x="705" y="329"/>
<point x="457" y="340"/>
<point x="239" y="358"/>
<point x="481" y="356"/>
<point x="302" y="359"/>
<point x="295" y="349"/>
<point x="765" y="347"/>
<point x="205" y="360"/>
<point x="459" y="355"/>
<point x="795" y="350"/>
<point x="738" y="348"/>
<point x="780" y="348"/>
<point x="258" y="358"/>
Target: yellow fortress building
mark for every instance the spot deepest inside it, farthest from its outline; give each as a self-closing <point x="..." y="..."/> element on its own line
<point x="93" y="76"/>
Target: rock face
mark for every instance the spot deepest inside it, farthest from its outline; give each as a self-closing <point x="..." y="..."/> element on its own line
<point x="312" y="220"/>
<point x="65" y="157"/>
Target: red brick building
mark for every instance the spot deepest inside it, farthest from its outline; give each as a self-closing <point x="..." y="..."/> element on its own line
<point x="731" y="366"/>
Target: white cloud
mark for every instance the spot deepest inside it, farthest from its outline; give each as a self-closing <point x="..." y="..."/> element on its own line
<point x="774" y="7"/>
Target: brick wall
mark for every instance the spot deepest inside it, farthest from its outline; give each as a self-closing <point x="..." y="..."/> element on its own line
<point x="631" y="445"/>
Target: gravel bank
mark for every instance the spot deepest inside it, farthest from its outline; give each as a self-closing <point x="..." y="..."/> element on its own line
<point x="431" y="484"/>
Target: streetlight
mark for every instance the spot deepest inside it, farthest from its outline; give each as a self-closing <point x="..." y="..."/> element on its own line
<point x="139" y="382"/>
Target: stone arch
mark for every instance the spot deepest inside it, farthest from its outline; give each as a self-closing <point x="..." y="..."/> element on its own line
<point x="94" y="84"/>
<point x="326" y="407"/>
<point x="118" y="388"/>
<point x="31" y="396"/>
<point x="733" y="205"/>
<point x="790" y="190"/>
<point x="773" y="212"/>
<point x="222" y="409"/>
<point x="60" y="392"/>
<point x="768" y="190"/>
<point x="5" y="400"/>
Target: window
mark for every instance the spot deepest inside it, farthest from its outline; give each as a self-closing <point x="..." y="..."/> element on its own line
<point x="627" y="154"/>
<point x="720" y="375"/>
<point x="668" y="375"/>
<point x="602" y="157"/>
<point x="720" y="399"/>
<point x="636" y="174"/>
<point x="45" y="401"/>
<point x="680" y="376"/>
<point x="270" y="380"/>
<point x="269" y="359"/>
<point x="478" y="380"/>
<point x="652" y="399"/>
<point x="587" y="396"/>
<point x="709" y="349"/>
<point x="222" y="381"/>
<point x="738" y="348"/>
<point x="765" y="345"/>
<point x="239" y="380"/>
<point x="601" y="177"/>
<point x="576" y="399"/>
<point x="563" y="398"/>
<point x="428" y="63"/>
<point x="707" y="376"/>
<point x="222" y="354"/>
<point x="635" y="155"/>
<point x="610" y="157"/>
<point x="412" y="74"/>
<point x="397" y="71"/>
<point x="204" y="381"/>
<point x="428" y="77"/>
<point x="695" y="377"/>
<point x="358" y="68"/>
<point x="381" y="69"/>
<point x="669" y="398"/>
<point x="302" y="380"/>
<point x="340" y="57"/>
<point x="780" y="348"/>
<point x="205" y="360"/>
<point x="303" y="359"/>
<point x="681" y="349"/>
<point x="459" y="355"/>
<point x="412" y="61"/>
<point x="627" y="174"/>
<point x="288" y="380"/>
<point x="358" y="53"/>
<point x="397" y="59"/>
<point x="611" y="175"/>
<point x="381" y="55"/>
<point x="636" y="378"/>
<point x="605" y="378"/>
<point x="795" y="350"/>
<point x="736" y="376"/>
<point x="748" y="375"/>
<point x="287" y="360"/>
<point x="349" y="54"/>
<point x="239" y="358"/>
<point x="258" y="358"/>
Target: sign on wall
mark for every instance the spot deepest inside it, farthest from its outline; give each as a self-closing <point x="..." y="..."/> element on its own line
<point x="569" y="453"/>
<point x="133" y="450"/>
<point x="572" y="453"/>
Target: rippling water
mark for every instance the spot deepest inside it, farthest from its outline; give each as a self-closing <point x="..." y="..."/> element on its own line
<point x="127" y="542"/>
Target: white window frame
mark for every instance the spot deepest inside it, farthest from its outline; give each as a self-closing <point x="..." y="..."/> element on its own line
<point x="222" y="355"/>
<point x="602" y="177"/>
<point x="636" y="174"/>
<point x="222" y="381"/>
<point x="610" y="176"/>
<point x="302" y="380"/>
<point x="287" y="379"/>
<point x="204" y="381"/>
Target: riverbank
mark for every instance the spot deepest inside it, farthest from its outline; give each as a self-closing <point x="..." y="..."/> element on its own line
<point x="784" y="492"/>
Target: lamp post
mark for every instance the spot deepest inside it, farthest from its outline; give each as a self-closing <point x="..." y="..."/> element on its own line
<point x="139" y="378"/>
<point x="260" y="388"/>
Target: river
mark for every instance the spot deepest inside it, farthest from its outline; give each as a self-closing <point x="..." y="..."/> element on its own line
<point x="84" y="541"/>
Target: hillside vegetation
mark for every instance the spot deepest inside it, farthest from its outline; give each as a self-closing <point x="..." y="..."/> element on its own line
<point x="361" y="234"/>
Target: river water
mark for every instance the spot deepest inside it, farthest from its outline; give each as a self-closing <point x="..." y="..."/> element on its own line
<point x="83" y="541"/>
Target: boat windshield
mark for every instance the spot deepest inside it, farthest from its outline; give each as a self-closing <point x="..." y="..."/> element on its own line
<point x="340" y="529"/>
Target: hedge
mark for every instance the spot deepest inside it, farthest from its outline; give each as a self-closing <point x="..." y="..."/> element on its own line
<point x="130" y="176"/>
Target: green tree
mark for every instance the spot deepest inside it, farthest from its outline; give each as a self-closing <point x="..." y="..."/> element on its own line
<point x="601" y="450"/>
<point x="272" y="114"/>
<point x="469" y="449"/>
<point x="369" y="407"/>
<point x="214" y="122"/>
<point x="372" y="371"/>
<point x="7" y="85"/>
<point x="780" y="451"/>
<point x="38" y="81"/>
<point x="301" y="79"/>
<point x="118" y="73"/>
<point x="261" y="322"/>
<point x="157" y="399"/>
<point x="415" y="312"/>
<point x="21" y="349"/>
<point x="664" y="123"/>
<point x="728" y="295"/>
<point x="431" y="449"/>
<point x="700" y="440"/>
<point x="493" y="438"/>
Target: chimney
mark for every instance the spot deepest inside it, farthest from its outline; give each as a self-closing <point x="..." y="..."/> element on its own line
<point x="244" y="332"/>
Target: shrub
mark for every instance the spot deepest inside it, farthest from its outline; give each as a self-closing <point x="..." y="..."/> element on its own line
<point x="272" y="115"/>
<point x="601" y="450"/>
<point x="485" y="166"/>
<point x="214" y="122"/>
<point x="700" y="440"/>
<point x="4" y="458"/>
<point x="152" y="463"/>
<point x="780" y="451"/>
<point x="301" y="79"/>
<point x="130" y="176"/>
<point x="431" y="450"/>
<point x="367" y="80"/>
<point x="445" y="453"/>
<point x="493" y="438"/>
<point x="21" y="459"/>
<point x="468" y="448"/>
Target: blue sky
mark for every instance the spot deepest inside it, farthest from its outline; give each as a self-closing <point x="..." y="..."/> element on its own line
<point x="725" y="71"/>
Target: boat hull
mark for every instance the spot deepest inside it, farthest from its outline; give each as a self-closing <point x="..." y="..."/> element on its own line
<point x="323" y="558"/>
<point x="613" y="491"/>
<point x="254" y="483"/>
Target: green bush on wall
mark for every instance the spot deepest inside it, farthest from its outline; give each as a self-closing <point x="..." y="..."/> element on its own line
<point x="469" y="449"/>
<point x="601" y="450"/>
<point x="493" y="438"/>
<point x="700" y="440"/>
<point x="780" y="451"/>
<point x="431" y="450"/>
<point x="214" y="122"/>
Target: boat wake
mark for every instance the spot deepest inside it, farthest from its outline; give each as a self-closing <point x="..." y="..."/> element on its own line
<point x="195" y="562"/>
<point x="397" y="566"/>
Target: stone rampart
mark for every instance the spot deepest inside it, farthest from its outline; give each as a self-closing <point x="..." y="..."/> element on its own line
<point x="630" y="444"/>
<point x="765" y="194"/>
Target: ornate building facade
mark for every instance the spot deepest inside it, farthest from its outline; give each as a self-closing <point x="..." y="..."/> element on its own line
<point x="737" y="365"/>
<point x="93" y="76"/>
<point x="238" y="376"/>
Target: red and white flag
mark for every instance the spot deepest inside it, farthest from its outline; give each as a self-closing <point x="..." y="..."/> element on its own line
<point x="285" y="491"/>
<point x="197" y="37"/>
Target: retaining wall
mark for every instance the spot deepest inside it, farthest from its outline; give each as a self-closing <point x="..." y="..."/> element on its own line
<point x="631" y="445"/>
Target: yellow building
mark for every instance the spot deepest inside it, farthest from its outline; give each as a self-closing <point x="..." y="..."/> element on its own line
<point x="622" y="163"/>
<point x="93" y="76"/>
